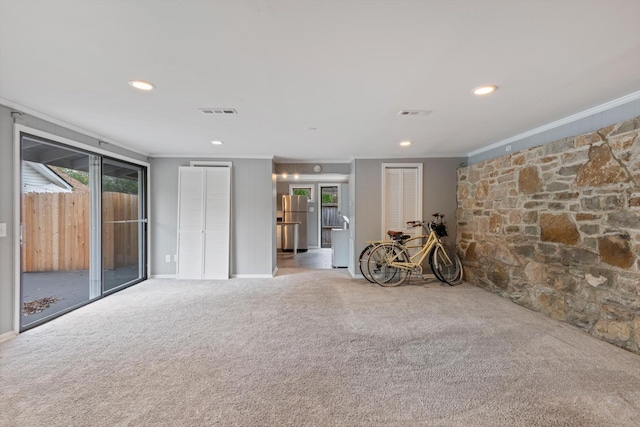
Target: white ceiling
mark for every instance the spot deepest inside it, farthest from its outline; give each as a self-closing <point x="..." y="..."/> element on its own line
<point x="345" y="68"/>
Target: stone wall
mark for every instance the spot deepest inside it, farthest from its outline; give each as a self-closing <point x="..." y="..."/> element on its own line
<point x="556" y="229"/>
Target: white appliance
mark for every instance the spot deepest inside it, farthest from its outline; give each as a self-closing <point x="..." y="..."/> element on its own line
<point x="339" y="247"/>
<point x="294" y="209"/>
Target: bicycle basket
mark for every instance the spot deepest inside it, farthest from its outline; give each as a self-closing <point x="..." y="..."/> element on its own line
<point x="441" y="230"/>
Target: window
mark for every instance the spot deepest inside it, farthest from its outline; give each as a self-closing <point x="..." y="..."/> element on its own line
<point x="302" y="190"/>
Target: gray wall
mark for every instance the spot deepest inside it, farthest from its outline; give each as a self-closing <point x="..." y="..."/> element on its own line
<point x="307" y="168"/>
<point x="351" y="201"/>
<point x="7" y="296"/>
<point x="439" y="195"/>
<point x="7" y="189"/>
<point x="252" y="212"/>
<point x="590" y="123"/>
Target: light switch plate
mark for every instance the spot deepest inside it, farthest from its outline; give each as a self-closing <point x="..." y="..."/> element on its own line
<point x="3" y="229"/>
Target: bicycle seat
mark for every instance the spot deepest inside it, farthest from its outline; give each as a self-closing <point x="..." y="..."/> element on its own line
<point x="393" y="233"/>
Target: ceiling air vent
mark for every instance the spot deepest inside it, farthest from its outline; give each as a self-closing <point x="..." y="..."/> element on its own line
<point x="219" y="111"/>
<point x="415" y="112"/>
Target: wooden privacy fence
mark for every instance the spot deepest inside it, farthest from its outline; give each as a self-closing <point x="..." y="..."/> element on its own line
<point x="56" y="231"/>
<point x="119" y="240"/>
<point x="330" y="219"/>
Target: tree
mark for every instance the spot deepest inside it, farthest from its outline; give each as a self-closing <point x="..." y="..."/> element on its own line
<point x="109" y="183"/>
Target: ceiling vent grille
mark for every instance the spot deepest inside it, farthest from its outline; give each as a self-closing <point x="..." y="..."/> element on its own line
<point x="406" y="113"/>
<point x="219" y="111"/>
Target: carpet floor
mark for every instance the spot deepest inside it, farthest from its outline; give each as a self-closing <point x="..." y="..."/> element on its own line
<point x="312" y="348"/>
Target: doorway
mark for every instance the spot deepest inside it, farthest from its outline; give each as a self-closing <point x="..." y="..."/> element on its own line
<point x="83" y="227"/>
<point x="330" y="216"/>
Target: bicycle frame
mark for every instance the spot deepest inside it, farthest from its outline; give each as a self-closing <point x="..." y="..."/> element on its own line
<point x="416" y="260"/>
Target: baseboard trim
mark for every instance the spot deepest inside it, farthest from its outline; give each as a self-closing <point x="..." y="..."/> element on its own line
<point x="252" y="276"/>
<point x="163" y="276"/>
<point x="7" y="336"/>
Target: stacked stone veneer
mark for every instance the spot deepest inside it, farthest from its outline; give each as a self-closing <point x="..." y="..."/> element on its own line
<point x="556" y="229"/>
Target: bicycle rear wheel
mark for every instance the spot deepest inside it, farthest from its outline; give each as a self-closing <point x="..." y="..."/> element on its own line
<point x="364" y="262"/>
<point x="380" y="265"/>
<point x="447" y="265"/>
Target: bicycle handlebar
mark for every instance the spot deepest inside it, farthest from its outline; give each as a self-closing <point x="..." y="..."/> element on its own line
<point x="437" y="215"/>
<point x="415" y="224"/>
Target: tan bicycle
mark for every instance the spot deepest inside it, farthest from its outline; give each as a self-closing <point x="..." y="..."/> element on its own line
<point x="391" y="263"/>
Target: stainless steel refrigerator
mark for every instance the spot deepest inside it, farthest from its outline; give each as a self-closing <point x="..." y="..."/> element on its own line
<point x="294" y="209"/>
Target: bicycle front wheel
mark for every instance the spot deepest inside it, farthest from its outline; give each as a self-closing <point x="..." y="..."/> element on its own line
<point x="433" y="267"/>
<point x="381" y="268"/>
<point x="447" y="265"/>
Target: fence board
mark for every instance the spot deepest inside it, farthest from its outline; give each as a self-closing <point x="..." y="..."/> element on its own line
<point x="57" y="233"/>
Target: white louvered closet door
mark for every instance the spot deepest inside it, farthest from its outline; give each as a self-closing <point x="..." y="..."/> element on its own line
<point x="402" y="198"/>
<point x="190" y="221"/>
<point x="203" y="222"/>
<point x="217" y="223"/>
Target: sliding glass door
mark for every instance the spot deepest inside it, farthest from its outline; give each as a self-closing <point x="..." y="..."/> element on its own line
<point x="83" y="230"/>
<point x="123" y="224"/>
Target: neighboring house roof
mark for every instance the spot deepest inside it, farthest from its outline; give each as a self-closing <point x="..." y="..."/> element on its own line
<point x="39" y="178"/>
<point x="75" y="184"/>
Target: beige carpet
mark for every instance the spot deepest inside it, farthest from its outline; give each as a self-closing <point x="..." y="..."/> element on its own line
<point x="312" y="348"/>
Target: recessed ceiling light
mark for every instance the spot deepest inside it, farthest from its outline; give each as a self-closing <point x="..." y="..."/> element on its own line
<point x="405" y="143"/>
<point x="484" y="90"/>
<point x="142" y="85"/>
<point x="217" y="142"/>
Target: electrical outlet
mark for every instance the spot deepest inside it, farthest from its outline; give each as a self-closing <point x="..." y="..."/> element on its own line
<point x="175" y="257"/>
<point x="167" y="258"/>
<point x="3" y="229"/>
<point x="507" y="148"/>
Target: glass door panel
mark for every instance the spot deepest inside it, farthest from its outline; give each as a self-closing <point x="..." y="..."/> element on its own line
<point x="329" y="213"/>
<point x="123" y="224"/>
<point x="57" y="268"/>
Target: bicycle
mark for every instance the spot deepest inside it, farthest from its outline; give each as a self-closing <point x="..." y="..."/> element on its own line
<point x="391" y="263"/>
<point x="363" y="260"/>
<point x="403" y="239"/>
